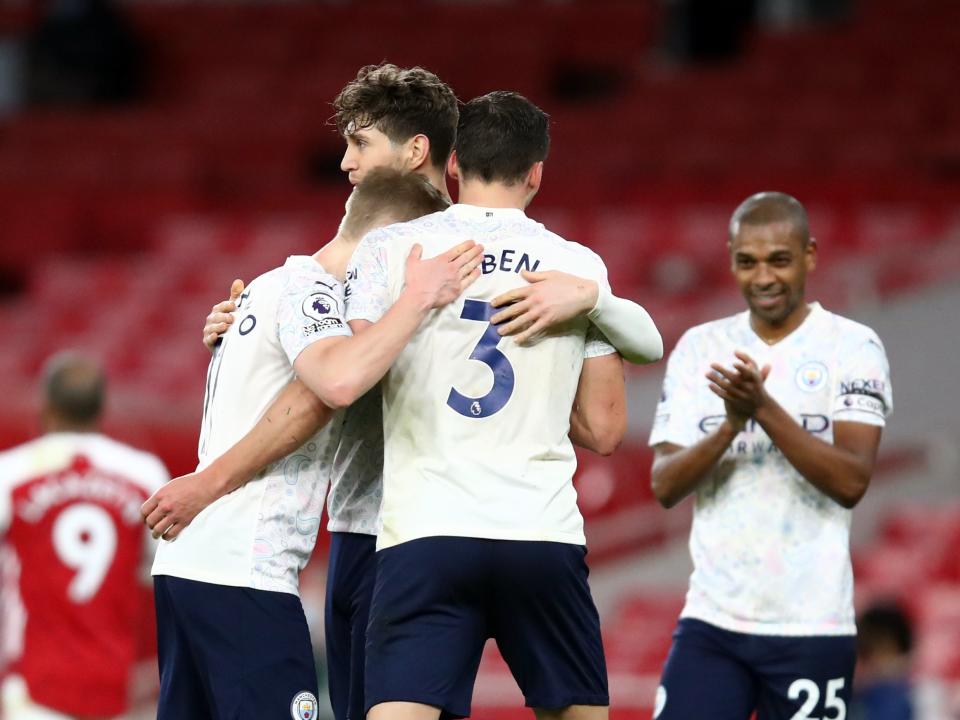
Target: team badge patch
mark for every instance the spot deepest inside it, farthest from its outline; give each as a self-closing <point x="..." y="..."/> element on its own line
<point x="811" y="376"/>
<point x="319" y="305"/>
<point x="304" y="706"/>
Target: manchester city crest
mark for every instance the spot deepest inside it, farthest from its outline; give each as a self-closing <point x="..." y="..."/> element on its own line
<point x="811" y="376"/>
<point x="304" y="706"/>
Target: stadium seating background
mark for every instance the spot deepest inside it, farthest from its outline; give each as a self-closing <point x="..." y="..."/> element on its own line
<point x="120" y="227"/>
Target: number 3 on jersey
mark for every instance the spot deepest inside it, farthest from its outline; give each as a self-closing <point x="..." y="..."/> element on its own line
<point x="85" y="540"/>
<point x="486" y="352"/>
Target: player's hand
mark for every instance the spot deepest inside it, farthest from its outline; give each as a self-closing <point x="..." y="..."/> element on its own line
<point x="550" y="298"/>
<point x="174" y="506"/>
<point x="440" y="280"/>
<point x="221" y="316"/>
<point x="741" y="388"/>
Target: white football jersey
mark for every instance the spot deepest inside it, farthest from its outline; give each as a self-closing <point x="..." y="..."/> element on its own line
<point x="356" y="474"/>
<point x="770" y="551"/>
<point x="476" y="426"/>
<point x="261" y="535"/>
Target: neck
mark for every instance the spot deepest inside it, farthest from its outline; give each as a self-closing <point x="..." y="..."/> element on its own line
<point x="437" y="177"/>
<point x="493" y="195"/>
<point x="335" y="255"/>
<point x="65" y="426"/>
<point x="772" y="333"/>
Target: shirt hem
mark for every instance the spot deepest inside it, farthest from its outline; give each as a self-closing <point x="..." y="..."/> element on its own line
<point x="384" y="542"/>
<point x="747" y="627"/>
<point x="347" y="528"/>
<point x="218" y="579"/>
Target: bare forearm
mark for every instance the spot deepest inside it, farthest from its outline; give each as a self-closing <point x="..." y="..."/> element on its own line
<point x="677" y="474"/>
<point x="350" y="368"/>
<point x="838" y="473"/>
<point x="602" y="439"/>
<point x="294" y="416"/>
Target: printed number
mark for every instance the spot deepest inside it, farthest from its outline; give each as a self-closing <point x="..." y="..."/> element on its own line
<point x="809" y="689"/>
<point x="486" y="352"/>
<point x="85" y="540"/>
<point x="834" y="701"/>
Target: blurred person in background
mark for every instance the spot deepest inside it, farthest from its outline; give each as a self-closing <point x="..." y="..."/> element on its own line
<point x="77" y="610"/>
<point x="884" y="643"/>
<point x="772" y="418"/>
<point x="83" y="52"/>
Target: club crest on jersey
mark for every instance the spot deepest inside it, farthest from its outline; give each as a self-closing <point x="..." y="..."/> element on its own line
<point x="811" y="376"/>
<point x="319" y="305"/>
<point x="304" y="706"/>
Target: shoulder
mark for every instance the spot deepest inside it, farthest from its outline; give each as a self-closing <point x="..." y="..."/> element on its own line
<point x="852" y="334"/>
<point x="581" y="254"/>
<point x="426" y="225"/>
<point x="708" y="332"/>
<point x="14" y="462"/>
<point x="302" y="270"/>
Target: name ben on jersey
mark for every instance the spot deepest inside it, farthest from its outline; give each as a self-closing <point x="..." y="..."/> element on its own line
<point x="506" y="261"/>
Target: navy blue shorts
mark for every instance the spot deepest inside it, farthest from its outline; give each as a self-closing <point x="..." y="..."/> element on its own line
<point x="232" y="653"/>
<point x="715" y="674"/>
<point x="350" y="575"/>
<point x="437" y="600"/>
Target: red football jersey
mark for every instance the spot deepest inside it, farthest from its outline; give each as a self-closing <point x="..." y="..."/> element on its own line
<point x="70" y="504"/>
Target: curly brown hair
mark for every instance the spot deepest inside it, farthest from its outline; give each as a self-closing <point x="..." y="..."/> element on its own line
<point x="400" y="103"/>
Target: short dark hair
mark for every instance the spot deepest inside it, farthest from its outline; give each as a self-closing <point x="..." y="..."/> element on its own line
<point x="74" y="387"/>
<point x="500" y="136"/>
<point x="765" y="208"/>
<point x="391" y="194"/>
<point x="400" y="103"/>
<point x="885" y="620"/>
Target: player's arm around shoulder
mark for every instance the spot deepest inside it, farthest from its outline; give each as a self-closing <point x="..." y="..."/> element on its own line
<point x="340" y="370"/>
<point x="552" y="297"/>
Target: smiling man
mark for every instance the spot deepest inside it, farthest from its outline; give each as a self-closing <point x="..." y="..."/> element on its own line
<point x="772" y="417"/>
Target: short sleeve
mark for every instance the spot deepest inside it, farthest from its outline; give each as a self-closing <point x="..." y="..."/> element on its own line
<point x="368" y="290"/>
<point x="675" y="421"/>
<point x="597" y="344"/>
<point x="309" y="308"/>
<point x="862" y="392"/>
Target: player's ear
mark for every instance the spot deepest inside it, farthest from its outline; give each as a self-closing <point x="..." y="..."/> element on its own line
<point x="535" y="176"/>
<point x="418" y="152"/>
<point x="453" y="169"/>
<point x="811" y="254"/>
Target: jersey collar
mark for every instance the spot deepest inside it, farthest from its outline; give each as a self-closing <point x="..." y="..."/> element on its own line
<point x="809" y="322"/>
<point x="485" y="213"/>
